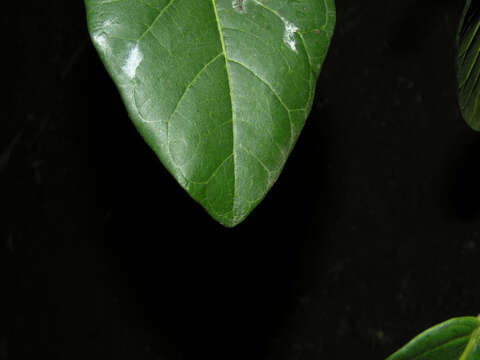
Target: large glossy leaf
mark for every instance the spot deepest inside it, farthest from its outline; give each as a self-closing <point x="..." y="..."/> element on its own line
<point x="456" y="339"/>
<point x="219" y="89"/>
<point x="468" y="63"/>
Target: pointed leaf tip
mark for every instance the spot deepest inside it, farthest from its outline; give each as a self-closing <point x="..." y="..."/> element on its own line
<point x="219" y="89"/>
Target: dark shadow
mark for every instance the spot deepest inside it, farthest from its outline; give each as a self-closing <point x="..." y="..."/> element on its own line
<point x="464" y="180"/>
<point x="413" y="28"/>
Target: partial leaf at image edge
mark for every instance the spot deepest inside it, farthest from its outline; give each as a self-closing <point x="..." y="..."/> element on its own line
<point x="455" y="339"/>
<point x="219" y="89"/>
<point x="468" y="64"/>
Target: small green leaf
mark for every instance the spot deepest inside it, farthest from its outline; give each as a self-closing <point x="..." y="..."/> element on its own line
<point x="456" y="339"/>
<point x="468" y="64"/>
<point x="219" y="89"/>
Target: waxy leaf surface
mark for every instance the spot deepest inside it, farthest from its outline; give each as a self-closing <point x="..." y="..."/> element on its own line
<point x="219" y="89"/>
<point x="456" y="339"/>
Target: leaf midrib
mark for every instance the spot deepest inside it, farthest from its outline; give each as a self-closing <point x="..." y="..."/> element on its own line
<point x="224" y="51"/>
<point x="471" y="343"/>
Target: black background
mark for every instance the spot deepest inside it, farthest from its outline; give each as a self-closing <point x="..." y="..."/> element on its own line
<point x="370" y="235"/>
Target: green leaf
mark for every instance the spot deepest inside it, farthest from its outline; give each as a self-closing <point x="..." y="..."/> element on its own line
<point x="456" y="339"/>
<point x="219" y="89"/>
<point x="468" y="64"/>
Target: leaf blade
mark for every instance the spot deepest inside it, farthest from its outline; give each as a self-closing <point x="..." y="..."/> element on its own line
<point x="219" y="89"/>
<point x="468" y="64"/>
<point x="454" y="339"/>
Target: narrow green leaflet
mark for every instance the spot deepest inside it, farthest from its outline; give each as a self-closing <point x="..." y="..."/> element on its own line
<point x="468" y="64"/>
<point x="456" y="339"/>
<point x="219" y="89"/>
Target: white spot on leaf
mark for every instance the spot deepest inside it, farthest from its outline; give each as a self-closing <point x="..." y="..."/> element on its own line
<point x="289" y="35"/>
<point x="240" y="5"/>
<point x="134" y="59"/>
<point x="106" y="24"/>
<point x="290" y="28"/>
<point x="100" y="37"/>
<point x="101" y="41"/>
